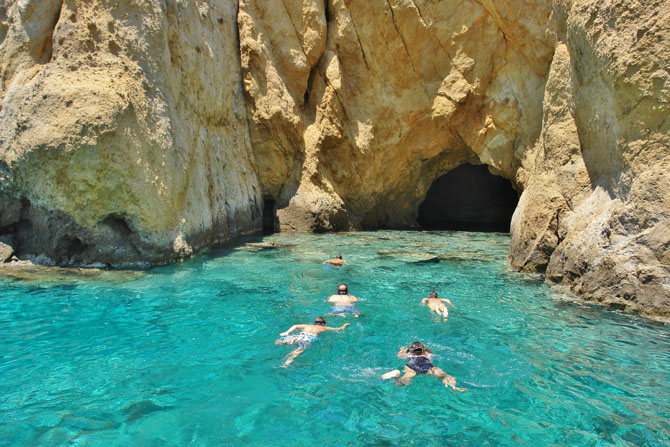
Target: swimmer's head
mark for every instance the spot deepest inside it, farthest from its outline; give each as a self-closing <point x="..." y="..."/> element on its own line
<point x="342" y="289"/>
<point x="433" y="294"/>
<point x="320" y="321"/>
<point x="416" y="348"/>
<point x="338" y="257"/>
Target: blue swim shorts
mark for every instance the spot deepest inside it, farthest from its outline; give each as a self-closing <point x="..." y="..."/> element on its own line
<point x="345" y="309"/>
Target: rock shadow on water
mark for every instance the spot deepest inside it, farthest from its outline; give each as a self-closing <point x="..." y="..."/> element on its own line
<point x="409" y="257"/>
<point x="138" y="410"/>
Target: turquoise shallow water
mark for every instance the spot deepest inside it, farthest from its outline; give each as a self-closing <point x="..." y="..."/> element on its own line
<point x="184" y="355"/>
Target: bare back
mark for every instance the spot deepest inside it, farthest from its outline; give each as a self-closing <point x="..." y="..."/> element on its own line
<point x="435" y="303"/>
<point x="315" y="329"/>
<point x="343" y="300"/>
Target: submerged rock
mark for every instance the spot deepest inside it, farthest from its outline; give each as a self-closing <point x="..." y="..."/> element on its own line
<point x="27" y="271"/>
<point x="409" y="257"/>
<point x="260" y="246"/>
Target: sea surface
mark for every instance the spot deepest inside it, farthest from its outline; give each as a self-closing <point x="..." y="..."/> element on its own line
<point x="183" y="355"/>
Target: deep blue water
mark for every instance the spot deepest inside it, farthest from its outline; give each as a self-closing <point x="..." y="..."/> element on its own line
<point x="183" y="355"/>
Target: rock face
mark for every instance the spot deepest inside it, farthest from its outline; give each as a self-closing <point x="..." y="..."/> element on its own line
<point x="595" y="206"/>
<point x="366" y="103"/>
<point x="144" y="130"/>
<point x="123" y="131"/>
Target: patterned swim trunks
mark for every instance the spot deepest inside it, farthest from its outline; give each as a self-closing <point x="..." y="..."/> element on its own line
<point x="303" y="339"/>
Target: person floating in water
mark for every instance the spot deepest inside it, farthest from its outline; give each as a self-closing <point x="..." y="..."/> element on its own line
<point x="344" y="303"/>
<point x="304" y="338"/>
<point x="337" y="262"/>
<point x="437" y="305"/>
<point x="419" y="363"/>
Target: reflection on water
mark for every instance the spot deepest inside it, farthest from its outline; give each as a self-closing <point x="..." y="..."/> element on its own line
<point x="184" y="355"/>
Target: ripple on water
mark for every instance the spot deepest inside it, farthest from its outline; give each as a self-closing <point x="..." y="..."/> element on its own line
<point x="184" y="354"/>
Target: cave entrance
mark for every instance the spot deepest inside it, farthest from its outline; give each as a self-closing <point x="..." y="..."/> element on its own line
<point x="270" y="221"/>
<point x="469" y="198"/>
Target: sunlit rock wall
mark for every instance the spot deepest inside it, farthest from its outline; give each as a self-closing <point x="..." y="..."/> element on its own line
<point x="596" y="201"/>
<point x="123" y="131"/>
<point x="357" y="106"/>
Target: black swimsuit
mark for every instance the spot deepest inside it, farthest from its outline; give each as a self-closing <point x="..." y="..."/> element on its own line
<point x="420" y="364"/>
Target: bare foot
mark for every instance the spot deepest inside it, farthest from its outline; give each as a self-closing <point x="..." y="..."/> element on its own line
<point x="391" y="375"/>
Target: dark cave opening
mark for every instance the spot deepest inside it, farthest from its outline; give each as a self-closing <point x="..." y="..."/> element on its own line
<point x="118" y="224"/>
<point x="469" y="198"/>
<point x="270" y="221"/>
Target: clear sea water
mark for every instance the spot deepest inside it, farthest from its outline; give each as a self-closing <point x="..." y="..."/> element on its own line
<point x="183" y="355"/>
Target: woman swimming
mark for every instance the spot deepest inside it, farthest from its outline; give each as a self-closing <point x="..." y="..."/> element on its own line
<point x="419" y="357"/>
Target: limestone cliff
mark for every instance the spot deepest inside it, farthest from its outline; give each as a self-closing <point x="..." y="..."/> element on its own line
<point x="368" y="102"/>
<point x="123" y="132"/>
<point x="143" y="130"/>
<point x="596" y="202"/>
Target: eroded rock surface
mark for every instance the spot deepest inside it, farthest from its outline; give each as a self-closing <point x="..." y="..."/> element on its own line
<point x="123" y="131"/>
<point x="595" y="208"/>
<point x="368" y="102"/>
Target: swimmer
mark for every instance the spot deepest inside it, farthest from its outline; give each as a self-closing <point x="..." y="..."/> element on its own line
<point x="437" y="305"/>
<point x="304" y="338"/>
<point x="419" y="363"/>
<point x="337" y="262"/>
<point x="344" y="303"/>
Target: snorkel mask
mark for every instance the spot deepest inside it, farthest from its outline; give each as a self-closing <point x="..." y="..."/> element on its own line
<point x="416" y="348"/>
<point x="342" y="289"/>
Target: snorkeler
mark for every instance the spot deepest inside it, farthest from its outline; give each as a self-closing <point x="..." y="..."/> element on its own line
<point x="437" y="305"/>
<point x="419" y="363"/>
<point x="337" y="262"/>
<point x="304" y="338"/>
<point x="344" y="303"/>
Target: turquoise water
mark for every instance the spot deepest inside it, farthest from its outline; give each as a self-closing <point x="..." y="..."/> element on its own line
<point x="183" y="355"/>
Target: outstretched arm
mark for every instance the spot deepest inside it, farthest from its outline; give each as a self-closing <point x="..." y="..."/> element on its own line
<point x="402" y="354"/>
<point x="424" y="301"/>
<point x="337" y="328"/>
<point x="446" y="300"/>
<point x="291" y="329"/>
<point x="345" y="262"/>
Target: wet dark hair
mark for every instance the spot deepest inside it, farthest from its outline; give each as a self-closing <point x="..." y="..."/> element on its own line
<point x="418" y="348"/>
<point x="320" y="321"/>
<point x="342" y="289"/>
<point x="433" y="294"/>
<point x="338" y="257"/>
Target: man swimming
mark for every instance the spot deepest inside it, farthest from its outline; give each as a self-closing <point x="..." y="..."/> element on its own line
<point x="304" y="338"/>
<point x="337" y="262"/>
<point x="344" y="303"/>
<point x="419" y="357"/>
<point x="437" y="305"/>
